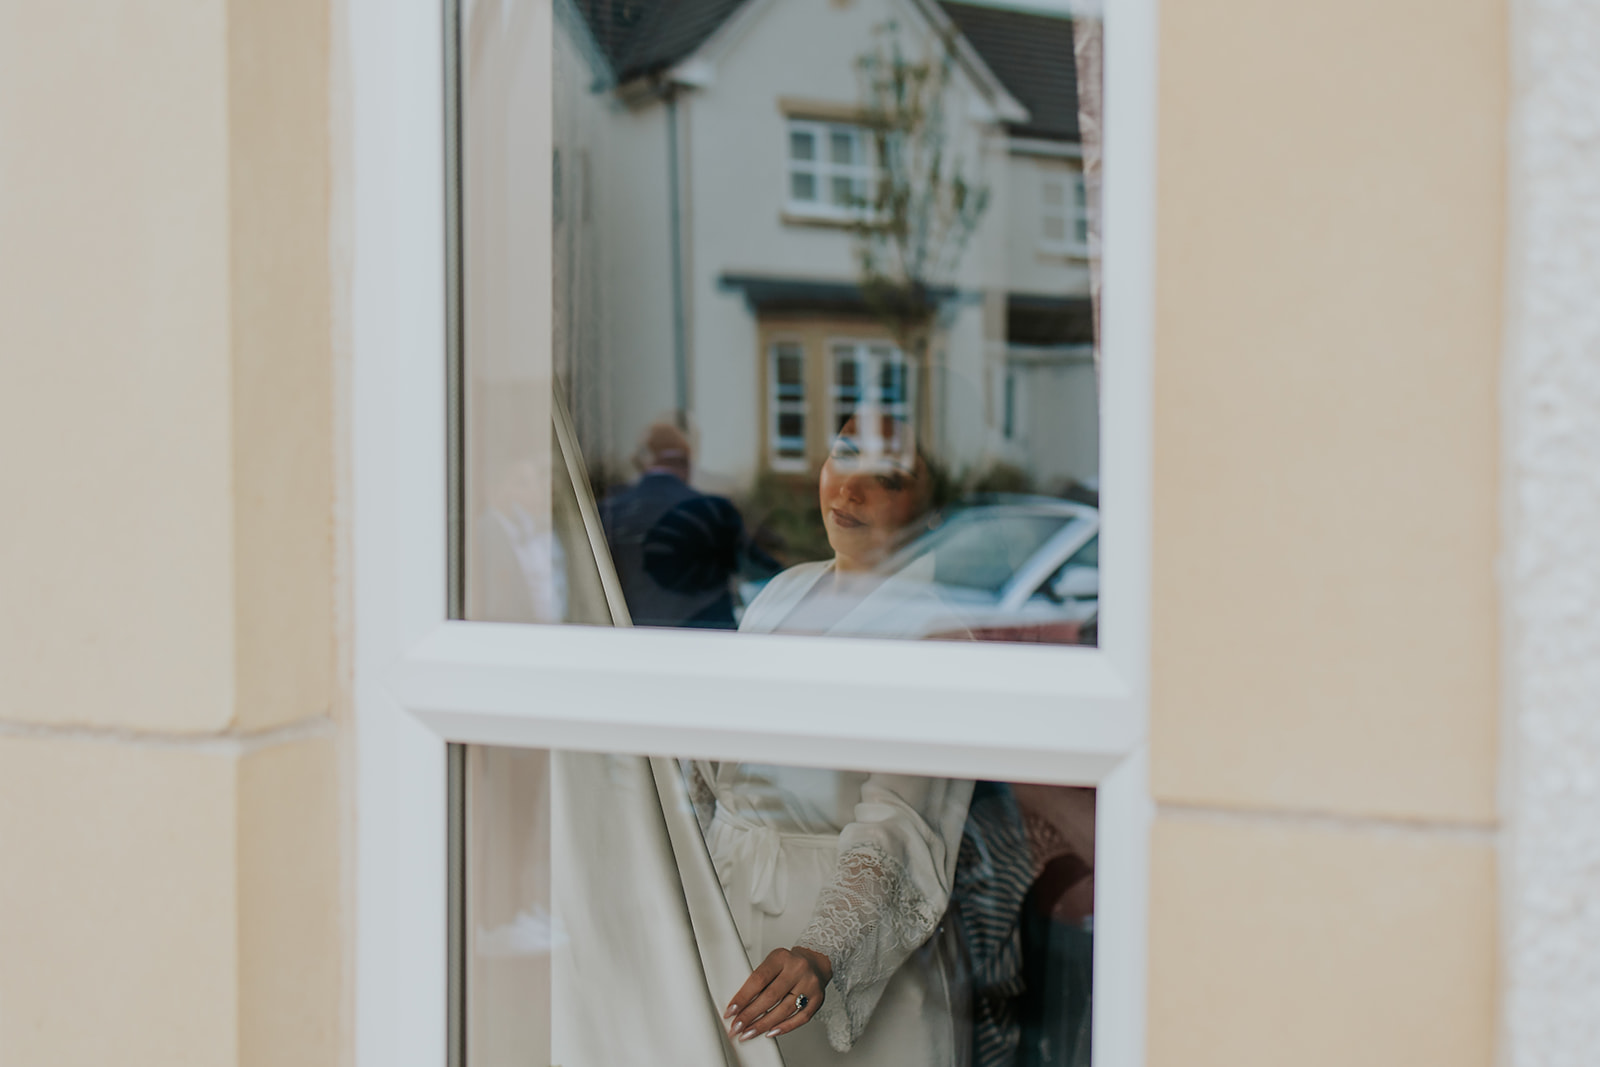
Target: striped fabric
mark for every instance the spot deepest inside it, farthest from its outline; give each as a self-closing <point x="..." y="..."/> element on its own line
<point x="994" y="870"/>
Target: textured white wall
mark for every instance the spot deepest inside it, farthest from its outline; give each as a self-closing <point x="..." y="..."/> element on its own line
<point x="1552" y="558"/>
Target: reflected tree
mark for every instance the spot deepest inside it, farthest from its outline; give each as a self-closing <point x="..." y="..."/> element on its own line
<point x="923" y="205"/>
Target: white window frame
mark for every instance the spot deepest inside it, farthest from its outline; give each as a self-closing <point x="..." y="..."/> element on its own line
<point x="866" y="366"/>
<point x="777" y="406"/>
<point x="1073" y="212"/>
<point x="824" y="170"/>
<point x="1071" y="715"/>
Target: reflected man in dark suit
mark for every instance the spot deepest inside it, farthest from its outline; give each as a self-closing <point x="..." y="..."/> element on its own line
<point x="676" y="549"/>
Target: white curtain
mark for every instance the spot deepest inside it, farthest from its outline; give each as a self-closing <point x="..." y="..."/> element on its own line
<point x="647" y="950"/>
<point x="600" y="936"/>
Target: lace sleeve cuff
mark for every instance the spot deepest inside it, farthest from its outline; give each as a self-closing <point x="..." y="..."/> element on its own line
<point x="867" y="922"/>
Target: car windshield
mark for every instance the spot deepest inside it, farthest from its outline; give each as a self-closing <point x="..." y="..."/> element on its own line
<point x="983" y="547"/>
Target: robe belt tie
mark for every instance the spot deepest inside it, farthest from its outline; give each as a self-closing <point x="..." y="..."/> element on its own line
<point x="751" y="850"/>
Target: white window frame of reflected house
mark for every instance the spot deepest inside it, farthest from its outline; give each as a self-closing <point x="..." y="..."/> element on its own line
<point x="422" y="680"/>
<point x="869" y="358"/>
<point x="823" y="170"/>
<point x="779" y="404"/>
<point x="1071" y="213"/>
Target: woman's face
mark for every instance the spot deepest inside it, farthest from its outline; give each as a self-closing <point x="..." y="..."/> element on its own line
<point x="869" y="491"/>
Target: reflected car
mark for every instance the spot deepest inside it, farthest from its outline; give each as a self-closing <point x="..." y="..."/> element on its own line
<point x="1008" y="568"/>
<point x="1013" y="568"/>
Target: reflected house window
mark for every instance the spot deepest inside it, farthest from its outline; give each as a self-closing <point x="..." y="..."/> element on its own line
<point x="867" y="375"/>
<point x="1064" y="213"/>
<point x="830" y="169"/>
<point x="786" y="400"/>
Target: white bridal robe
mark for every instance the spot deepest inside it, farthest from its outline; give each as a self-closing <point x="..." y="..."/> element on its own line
<point x="853" y="865"/>
<point x="669" y="882"/>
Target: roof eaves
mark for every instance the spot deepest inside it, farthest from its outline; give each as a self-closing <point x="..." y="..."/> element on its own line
<point x="699" y="67"/>
<point x="1032" y="141"/>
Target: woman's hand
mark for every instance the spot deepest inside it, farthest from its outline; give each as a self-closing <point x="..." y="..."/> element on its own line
<point x="765" y="1004"/>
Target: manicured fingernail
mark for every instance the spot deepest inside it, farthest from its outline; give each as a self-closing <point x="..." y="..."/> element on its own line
<point x="733" y="1009"/>
<point x="770" y="1033"/>
<point x="747" y="1036"/>
<point x="737" y="1027"/>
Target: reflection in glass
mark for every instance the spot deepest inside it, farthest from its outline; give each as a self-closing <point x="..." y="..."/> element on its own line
<point x="810" y="349"/>
<point x="778" y="230"/>
<point x="926" y="922"/>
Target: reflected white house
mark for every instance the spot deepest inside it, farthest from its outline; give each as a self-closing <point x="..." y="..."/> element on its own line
<point x="705" y="264"/>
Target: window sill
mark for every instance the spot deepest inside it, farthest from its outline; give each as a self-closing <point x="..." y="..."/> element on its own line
<point x="1068" y="253"/>
<point x="819" y="220"/>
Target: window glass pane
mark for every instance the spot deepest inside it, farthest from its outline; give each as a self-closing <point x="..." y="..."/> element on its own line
<point x="844" y="146"/>
<point x="953" y="920"/>
<point x="847" y="368"/>
<point x="697" y="282"/>
<point x="1080" y="218"/>
<point x="790" y="367"/>
<point x="892" y="381"/>
<point x="1009" y="421"/>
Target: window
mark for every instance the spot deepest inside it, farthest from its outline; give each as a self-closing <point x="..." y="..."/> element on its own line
<point x="872" y="376"/>
<point x="786" y="406"/>
<point x="566" y="840"/>
<point x="1064" y="213"/>
<point x="555" y="410"/>
<point x="830" y="169"/>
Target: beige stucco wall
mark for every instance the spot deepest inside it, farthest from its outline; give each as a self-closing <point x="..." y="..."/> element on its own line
<point x="169" y="751"/>
<point x="1331" y="199"/>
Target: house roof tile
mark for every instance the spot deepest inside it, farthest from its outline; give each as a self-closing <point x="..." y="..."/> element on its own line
<point x="642" y="37"/>
<point x="1032" y="55"/>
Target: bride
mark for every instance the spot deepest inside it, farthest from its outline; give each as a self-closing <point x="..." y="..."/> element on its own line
<point x="839" y="880"/>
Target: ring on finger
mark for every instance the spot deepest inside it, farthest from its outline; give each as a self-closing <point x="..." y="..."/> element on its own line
<point x="800" y="1001"/>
